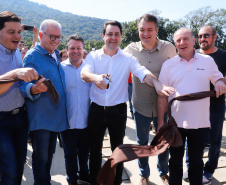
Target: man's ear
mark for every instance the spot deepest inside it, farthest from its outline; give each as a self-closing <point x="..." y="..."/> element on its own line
<point x="215" y="37"/>
<point x="40" y="35"/>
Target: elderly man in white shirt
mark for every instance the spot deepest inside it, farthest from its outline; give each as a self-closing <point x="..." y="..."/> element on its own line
<point x="108" y="70"/>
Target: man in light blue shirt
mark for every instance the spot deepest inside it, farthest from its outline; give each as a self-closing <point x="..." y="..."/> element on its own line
<point x="13" y="116"/>
<point x="45" y="118"/>
<point x="75" y="139"/>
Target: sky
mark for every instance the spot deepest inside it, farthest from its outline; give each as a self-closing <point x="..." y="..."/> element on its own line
<point x="129" y="10"/>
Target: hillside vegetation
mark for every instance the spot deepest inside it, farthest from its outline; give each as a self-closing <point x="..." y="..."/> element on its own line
<point x="33" y="14"/>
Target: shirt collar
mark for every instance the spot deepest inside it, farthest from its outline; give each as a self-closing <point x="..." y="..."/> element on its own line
<point x="119" y="52"/>
<point x="158" y="47"/>
<point x="195" y="56"/>
<point x="6" y="51"/>
<point x="68" y="63"/>
<point x="43" y="51"/>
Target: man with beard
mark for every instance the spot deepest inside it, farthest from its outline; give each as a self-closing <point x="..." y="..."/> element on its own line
<point x="189" y="72"/>
<point x="207" y="37"/>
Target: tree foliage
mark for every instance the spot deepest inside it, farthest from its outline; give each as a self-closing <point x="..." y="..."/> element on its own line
<point x="206" y="16"/>
<point x="91" y="28"/>
<point x="33" y="14"/>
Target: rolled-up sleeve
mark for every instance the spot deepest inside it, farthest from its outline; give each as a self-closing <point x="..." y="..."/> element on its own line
<point x="89" y="64"/>
<point x="138" y="70"/>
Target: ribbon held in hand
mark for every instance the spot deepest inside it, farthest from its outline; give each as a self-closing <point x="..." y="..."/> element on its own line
<point x="168" y="135"/>
<point x="51" y="89"/>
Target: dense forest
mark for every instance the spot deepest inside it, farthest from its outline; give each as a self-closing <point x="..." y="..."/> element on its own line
<point x="91" y="28"/>
<point x="33" y="14"/>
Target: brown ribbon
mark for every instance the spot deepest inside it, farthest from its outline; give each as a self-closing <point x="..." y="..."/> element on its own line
<point x="51" y="89"/>
<point x="168" y="135"/>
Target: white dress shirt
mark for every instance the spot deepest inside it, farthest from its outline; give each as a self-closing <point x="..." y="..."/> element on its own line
<point x="119" y="67"/>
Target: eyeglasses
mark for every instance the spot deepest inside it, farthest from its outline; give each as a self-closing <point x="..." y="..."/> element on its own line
<point x="206" y="35"/>
<point x="54" y="37"/>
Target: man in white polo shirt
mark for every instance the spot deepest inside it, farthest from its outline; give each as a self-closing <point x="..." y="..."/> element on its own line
<point x="108" y="70"/>
<point x="189" y="72"/>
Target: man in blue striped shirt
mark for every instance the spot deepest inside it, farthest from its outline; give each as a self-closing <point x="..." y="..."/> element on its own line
<point x="13" y="117"/>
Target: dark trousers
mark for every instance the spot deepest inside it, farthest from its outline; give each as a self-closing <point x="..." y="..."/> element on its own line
<point x="13" y="146"/>
<point x="44" y="145"/>
<point x="100" y="118"/>
<point x="196" y="139"/>
<point x="76" y="143"/>
<point x="217" y="113"/>
<point x="130" y="90"/>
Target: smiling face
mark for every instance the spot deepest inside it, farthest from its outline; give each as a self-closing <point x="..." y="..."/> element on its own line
<point x="112" y="37"/>
<point x="64" y="56"/>
<point x="45" y="41"/>
<point x="75" y="52"/>
<point x="147" y="32"/>
<point x="10" y="35"/>
<point x="23" y="52"/>
<point x="184" y="42"/>
<point x="206" y="43"/>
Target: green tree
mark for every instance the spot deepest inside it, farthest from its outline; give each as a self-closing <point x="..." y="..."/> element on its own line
<point x="206" y="16"/>
<point x="129" y="33"/>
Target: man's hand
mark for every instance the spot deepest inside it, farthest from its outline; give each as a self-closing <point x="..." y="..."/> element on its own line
<point x="27" y="74"/>
<point x="161" y="89"/>
<point x="220" y="88"/>
<point x="35" y="31"/>
<point x="98" y="80"/>
<point x="39" y="87"/>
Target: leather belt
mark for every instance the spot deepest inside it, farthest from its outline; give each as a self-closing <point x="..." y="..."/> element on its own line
<point x="13" y="112"/>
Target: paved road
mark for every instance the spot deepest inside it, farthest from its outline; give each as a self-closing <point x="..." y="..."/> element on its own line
<point x="131" y="168"/>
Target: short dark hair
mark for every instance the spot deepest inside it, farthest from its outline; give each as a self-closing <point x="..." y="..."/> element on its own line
<point x="214" y="32"/>
<point x="75" y="37"/>
<point x="113" y="23"/>
<point x="8" y="16"/>
<point x="148" y="18"/>
<point x="62" y="52"/>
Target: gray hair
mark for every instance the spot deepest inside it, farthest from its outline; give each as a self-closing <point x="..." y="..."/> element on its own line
<point x="184" y="28"/>
<point x="47" y="22"/>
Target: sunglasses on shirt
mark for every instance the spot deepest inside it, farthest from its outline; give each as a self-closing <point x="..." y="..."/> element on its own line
<point x="206" y="35"/>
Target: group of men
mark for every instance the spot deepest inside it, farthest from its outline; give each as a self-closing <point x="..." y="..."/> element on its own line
<point x="93" y="95"/>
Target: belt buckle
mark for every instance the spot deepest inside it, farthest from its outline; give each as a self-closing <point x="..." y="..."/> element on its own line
<point x="15" y="111"/>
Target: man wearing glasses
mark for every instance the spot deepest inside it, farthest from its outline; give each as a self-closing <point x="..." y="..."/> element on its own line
<point x="45" y="118"/>
<point x="206" y="38"/>
<point x="108" y="70"/>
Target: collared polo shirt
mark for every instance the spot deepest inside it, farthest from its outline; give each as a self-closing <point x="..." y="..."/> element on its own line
<point x="11" y="99"/>
<point x="190" y="77"/>
<point x="78" y="100"/>
<point x="119" y="66"/>
<point x="145" y="97"/>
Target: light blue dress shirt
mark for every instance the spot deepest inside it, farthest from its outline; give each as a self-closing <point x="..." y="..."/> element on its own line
<point x="11" y="99"/>
<point x="78" y="100"/>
